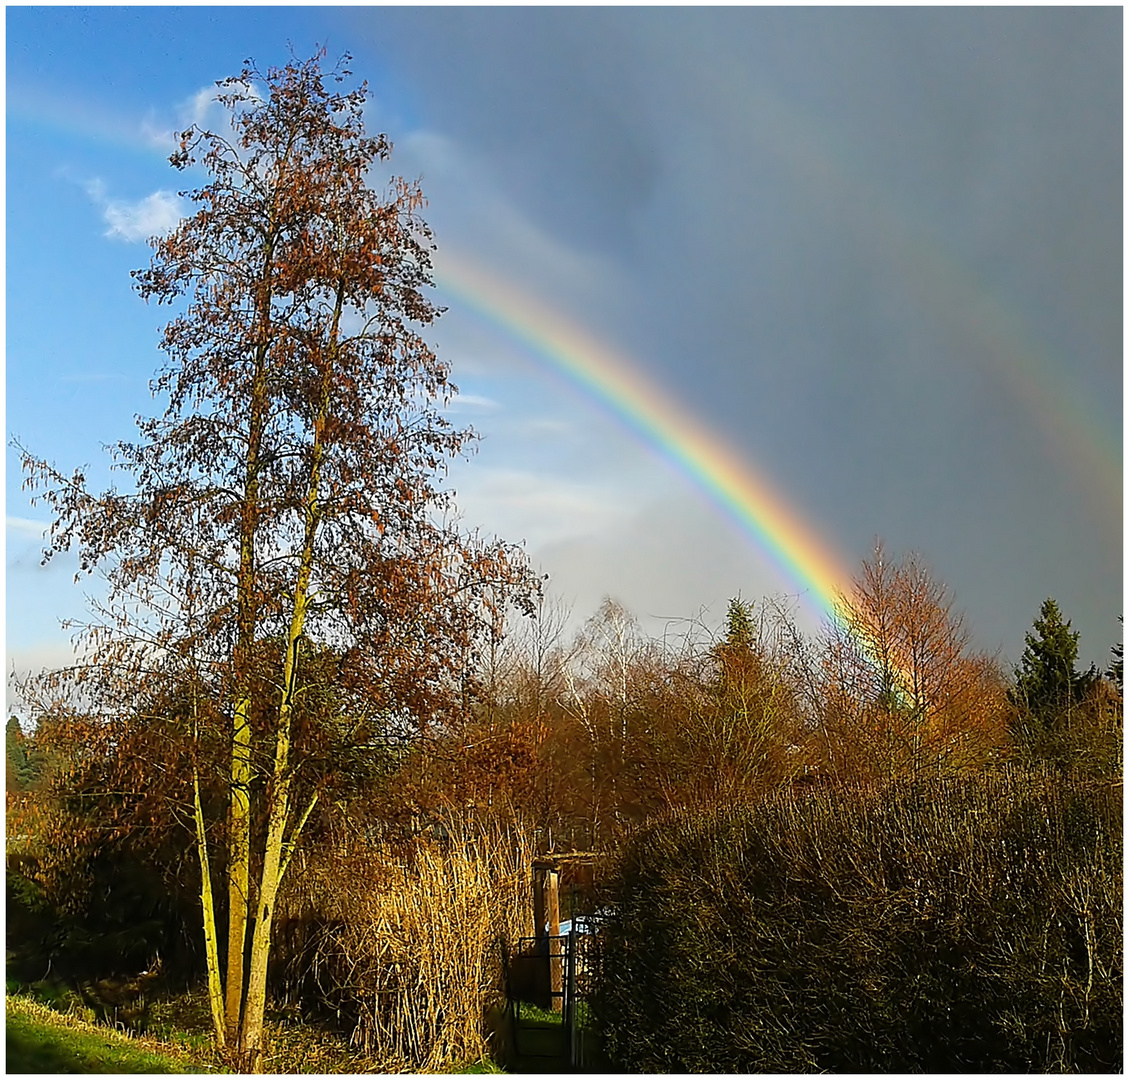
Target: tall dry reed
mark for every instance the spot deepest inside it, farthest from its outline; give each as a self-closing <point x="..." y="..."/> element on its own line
<point x="404" y="943"/>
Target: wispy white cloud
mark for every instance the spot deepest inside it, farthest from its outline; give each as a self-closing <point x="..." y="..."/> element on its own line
<point x="538" y="507"/>
<point x="151" y="216"/>
<point x="133" y="221"/>
<point x="201" y="109"/>
<point x="204" y="109"/>
<point x="473" y="401"/>
<point x="157" y="135"/>
<point x="195" y="109"/>
<point x="545" y="425"/>
<point x="94" y="187"/>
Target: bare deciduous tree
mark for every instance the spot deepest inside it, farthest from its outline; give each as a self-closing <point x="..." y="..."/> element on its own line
<point x="902" y="690"/>
<point x="284" y="539"/>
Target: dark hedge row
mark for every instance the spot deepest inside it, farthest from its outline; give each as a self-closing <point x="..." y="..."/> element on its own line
<point x="966" y="926"/>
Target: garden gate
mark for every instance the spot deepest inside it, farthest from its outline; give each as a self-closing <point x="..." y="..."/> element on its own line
<point x="554" y="971"/>
<point x="557" y="1025"/>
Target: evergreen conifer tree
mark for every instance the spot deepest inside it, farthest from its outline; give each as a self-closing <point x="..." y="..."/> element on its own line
<point x="740" y="633"/>
<point x="1116" y="669"/>
<point x="1047" y="684"/>
<point x="22" y="761"/>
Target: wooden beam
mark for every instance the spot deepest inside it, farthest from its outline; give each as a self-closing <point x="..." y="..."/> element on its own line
<point x="553" y="903"/>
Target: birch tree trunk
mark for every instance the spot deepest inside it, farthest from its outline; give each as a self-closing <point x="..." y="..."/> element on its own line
<point x="207" y="904"/>
<point x="251" y="1029"/>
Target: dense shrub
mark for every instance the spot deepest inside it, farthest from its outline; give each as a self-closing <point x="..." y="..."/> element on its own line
<point x="84" y="905"/>
<point x="957" y="926"/>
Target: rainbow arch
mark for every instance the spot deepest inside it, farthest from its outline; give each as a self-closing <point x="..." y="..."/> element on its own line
<point x="711" y="465"/>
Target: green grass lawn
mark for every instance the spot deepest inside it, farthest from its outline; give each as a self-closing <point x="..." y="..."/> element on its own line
<point x="538" y="1042"/>
<point x="42" y="1041"/>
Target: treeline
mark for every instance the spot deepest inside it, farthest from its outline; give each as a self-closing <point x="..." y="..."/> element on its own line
<point x="582" y="737"/>
<point x="589" y="736"/>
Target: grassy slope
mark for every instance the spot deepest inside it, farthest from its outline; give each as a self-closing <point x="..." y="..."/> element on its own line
<point x="42" y="1041"/>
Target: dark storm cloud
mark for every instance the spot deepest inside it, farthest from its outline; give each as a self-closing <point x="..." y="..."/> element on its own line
<point x="547" y="93"/>
<point x="858" y="231"/>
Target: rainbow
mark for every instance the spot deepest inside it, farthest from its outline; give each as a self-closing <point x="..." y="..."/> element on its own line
<point x="1070" y="423"/>
<point x="1076" y="432"/>
<point x="636" y="401"/>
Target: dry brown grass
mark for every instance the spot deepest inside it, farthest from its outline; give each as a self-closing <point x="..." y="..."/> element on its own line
<point x="405" y="944"/>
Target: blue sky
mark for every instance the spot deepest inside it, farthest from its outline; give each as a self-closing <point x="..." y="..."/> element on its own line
<point x="878" y="251"/>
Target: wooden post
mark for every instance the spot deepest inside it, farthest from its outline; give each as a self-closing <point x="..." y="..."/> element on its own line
<point x="553" y="903"/>
<point x="571" y="1024"/>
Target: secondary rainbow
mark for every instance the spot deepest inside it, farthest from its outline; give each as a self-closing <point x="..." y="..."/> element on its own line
<point x="614" y="381"/>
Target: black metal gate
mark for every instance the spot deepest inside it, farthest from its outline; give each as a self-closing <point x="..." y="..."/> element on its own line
<point x="582" y="956"/>
<point x="553" y="974"/>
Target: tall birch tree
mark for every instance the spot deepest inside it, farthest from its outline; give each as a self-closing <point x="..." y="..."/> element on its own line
<point x="286" y="505"/>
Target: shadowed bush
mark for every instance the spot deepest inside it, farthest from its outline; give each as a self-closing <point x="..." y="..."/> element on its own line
<point x="956" y="926"/>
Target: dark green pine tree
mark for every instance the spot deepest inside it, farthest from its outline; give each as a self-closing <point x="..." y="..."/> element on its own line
<point x="1116" y="669"/>
<point x="740" y="631"/>
<point x="1047" y="684"/>
<point x="736" y="655"/>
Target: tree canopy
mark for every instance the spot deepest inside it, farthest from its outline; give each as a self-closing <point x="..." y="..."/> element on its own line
<point x="285" y="538"/>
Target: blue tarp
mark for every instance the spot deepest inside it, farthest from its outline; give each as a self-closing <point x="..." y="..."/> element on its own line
<point x="585" y="924"/>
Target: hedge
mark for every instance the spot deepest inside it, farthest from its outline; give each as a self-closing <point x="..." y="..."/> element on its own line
<point x="949" y="927"/>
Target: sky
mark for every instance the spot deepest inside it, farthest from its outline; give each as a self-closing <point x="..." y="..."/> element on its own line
<point x="731" y="292"/>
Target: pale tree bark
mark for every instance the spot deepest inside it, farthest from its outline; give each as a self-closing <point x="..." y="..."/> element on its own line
<point x="207" y="904"/>
<point x="207" y="896"/>
<point x="274" y="858"/>
<point x="239" y="818"/>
